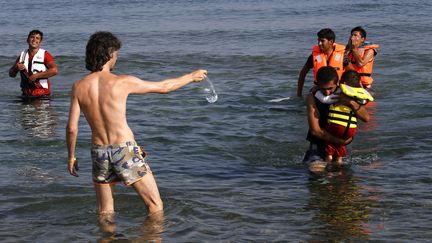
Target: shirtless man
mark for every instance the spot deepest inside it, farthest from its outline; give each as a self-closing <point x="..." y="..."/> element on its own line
<point x="101" y="96"/>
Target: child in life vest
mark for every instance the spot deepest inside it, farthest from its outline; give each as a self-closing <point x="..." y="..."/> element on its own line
<point x="342" y="121"/>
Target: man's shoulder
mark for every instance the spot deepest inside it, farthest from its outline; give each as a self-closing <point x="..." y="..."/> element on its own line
<point x="47" y="56"/>
<point x="46" y="53"/>
<point x="85" y="79"/>
<point x="103" y="79"/>
<point x="125" y="77"/>
<point x="310" y="98"/>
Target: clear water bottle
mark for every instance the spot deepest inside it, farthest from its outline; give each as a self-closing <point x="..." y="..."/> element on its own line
<point x="209" y="91"/>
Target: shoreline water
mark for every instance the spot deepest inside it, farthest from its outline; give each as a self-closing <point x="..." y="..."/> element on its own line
<point x="229" y="171"/>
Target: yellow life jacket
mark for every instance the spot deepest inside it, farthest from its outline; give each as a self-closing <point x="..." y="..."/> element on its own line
<point x="365" y="71"/>
<point x="335" y="60"/>
<point x="342" y="115"/>
<point x="357" y="93"/>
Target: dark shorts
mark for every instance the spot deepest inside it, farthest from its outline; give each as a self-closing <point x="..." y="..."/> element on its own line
<point x="314" y="153"/>
<point x="120" y="162"/>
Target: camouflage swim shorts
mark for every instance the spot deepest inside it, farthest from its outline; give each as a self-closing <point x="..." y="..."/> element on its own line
<point x="121" y="162"/>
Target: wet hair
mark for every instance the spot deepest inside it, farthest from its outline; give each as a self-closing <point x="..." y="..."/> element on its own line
<point x="351" y="78"/>
<point x="327" y="34"/>
<point x="327" y="74"/>
<point x="99" y="50"/>
<point x="361" y="30"/>
<point x="35" y="32"/>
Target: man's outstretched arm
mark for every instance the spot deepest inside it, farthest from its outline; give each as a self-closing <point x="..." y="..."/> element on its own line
<point x="138" y="86"/>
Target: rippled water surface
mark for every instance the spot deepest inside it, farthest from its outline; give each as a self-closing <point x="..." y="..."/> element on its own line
<point x="229" y="171"/>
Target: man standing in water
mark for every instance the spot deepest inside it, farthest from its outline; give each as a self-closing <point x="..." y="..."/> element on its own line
<point x="326" y="53"/>
<point x="101" y="96"/>
<point x="317" y="112"/>
<point x="35" y="65"/>
<point x="361" y="55"/>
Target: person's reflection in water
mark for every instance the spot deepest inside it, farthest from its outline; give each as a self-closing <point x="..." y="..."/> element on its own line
<point x="370" y="126"/>
<point x="39" y="118"/>
<point x="106" y="222"/>
<point x="152" y="228"/>
<point x="150" y="231"/>
<point x="341" y="208"/>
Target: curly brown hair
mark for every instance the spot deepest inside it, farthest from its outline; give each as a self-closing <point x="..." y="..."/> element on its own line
<point x="99" y="49"/>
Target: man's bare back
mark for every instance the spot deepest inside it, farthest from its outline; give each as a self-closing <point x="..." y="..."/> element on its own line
<point x="102" y="99"/>
<point x="102" y="96"/>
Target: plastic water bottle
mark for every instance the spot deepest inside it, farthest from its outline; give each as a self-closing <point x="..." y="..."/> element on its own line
<point x="209" y="91"/>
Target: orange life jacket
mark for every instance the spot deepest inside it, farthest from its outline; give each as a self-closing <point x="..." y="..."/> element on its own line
<point x="365" y="71"/>
<point x="335" y="60"/>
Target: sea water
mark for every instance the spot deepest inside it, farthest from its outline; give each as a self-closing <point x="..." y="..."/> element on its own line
<point x="232" y="171"/>
<point x="209" y="91"/>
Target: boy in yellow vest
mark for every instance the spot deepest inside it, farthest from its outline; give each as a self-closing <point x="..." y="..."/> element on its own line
<point x="342" y="121"/>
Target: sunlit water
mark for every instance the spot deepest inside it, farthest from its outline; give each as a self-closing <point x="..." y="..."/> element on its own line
<point x="229" y="171"/>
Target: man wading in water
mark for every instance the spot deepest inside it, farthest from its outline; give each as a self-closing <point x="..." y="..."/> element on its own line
<point x="101" y="96"/>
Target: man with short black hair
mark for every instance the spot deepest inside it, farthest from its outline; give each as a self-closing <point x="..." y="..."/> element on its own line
<point x="36" y="66"/>
<point x="361" y="55"/>
<point x="317" y="112"/>
<point x="326" y="53"/>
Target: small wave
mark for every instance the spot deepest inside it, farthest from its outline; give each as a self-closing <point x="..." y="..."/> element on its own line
<point x="35" y="174"/>
<point x="279" y="99"/>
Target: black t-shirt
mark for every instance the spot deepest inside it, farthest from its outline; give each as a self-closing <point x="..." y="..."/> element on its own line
<point x="309" y="62"/>
<point x="323" y="110"/>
